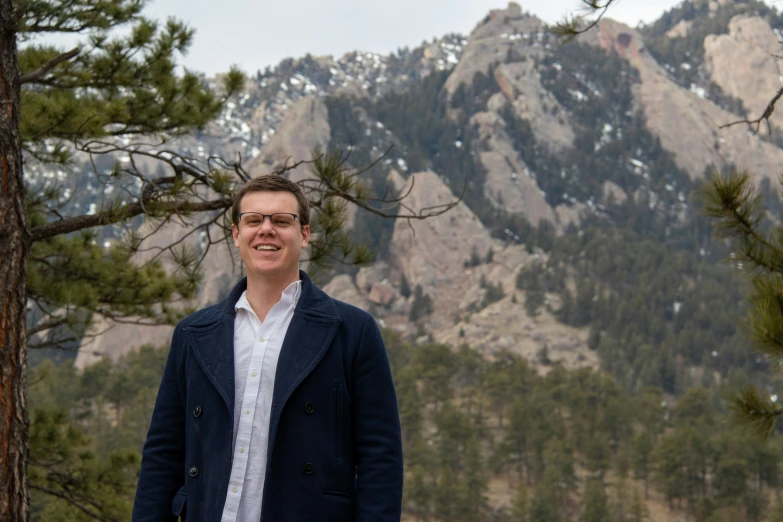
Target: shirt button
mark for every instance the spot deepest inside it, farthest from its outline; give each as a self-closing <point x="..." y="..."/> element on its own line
<point x="193" y="471"/>
<point x="234" y="489"/>
<point x="308" y="469"/>
<point x="253" y="374"/>
<point x="197" y="411"/>
<point x="241" y="450"/>
<point x="262" y="339"/>
<point x="247" y="412"/>
<point x="309" y="408"/>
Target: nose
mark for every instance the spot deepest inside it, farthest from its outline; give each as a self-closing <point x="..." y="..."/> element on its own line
<point x="266" y="226"/>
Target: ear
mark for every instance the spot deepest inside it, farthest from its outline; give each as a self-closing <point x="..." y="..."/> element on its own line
<point x="305" y="235"/>
<point x="235" y="233"/>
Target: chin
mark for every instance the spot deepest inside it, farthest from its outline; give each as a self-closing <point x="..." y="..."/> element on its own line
<point x="268" y="269"/>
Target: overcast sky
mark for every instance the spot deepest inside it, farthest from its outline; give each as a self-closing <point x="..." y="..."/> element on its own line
<point x="254" y="34"/>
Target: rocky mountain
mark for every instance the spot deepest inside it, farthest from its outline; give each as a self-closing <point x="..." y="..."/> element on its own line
<point x="554" y="146"/>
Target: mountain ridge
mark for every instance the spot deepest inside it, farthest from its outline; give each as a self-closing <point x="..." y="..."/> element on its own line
<point x="547" y="140"/>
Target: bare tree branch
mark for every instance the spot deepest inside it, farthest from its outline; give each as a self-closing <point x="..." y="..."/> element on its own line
<point x="764" y="116"/>
<point x="48" y="66"/>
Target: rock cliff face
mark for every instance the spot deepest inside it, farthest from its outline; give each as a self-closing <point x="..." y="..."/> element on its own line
<point x="743" y="62"/>
<point x="304" y="128"/>
<point x="521" y="83"/>
<point x="509" y="183"/>
<point x="492" y="41"/>
<point x="433" y="253"/>
<point x="671" y="109"/>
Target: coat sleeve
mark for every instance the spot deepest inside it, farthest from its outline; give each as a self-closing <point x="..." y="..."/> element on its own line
<point x="163" y="456"/>
<point x="376" y="431"/>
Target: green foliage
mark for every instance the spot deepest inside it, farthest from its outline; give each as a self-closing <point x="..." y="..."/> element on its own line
<point x="595" y="503"/>
<point x="638" y="511"/>
<point x="466" y="420"/>
<point x="87" y="430"/>
<point x="534" y="300"/>
<point x="474" y="259"/>
<point x="92" y="486"/>
<point x="737" y="208"/>
<point x="421" y="306"/>
<point x="652" y="306"/>
<point x="80" y="110"/>
<point x="116" y="84"/>
<point x="405" y="288"/>
<point x="754" y="409"/>
<point x="76" y="271"/>
<point x="493" y="292"/>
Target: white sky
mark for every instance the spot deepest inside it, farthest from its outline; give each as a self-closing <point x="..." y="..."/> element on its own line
<point x="254" y="34"/>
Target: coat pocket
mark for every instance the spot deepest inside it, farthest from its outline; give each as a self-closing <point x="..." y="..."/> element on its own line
<point x="178" y="504"/>
<point x="336" y="422"/>
<point x="338" y="495"/>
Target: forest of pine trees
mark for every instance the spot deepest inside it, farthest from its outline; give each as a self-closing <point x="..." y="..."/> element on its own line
<point x="483" y="440"/>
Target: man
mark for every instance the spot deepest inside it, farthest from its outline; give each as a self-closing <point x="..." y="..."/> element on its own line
<point x="277" y="404"/>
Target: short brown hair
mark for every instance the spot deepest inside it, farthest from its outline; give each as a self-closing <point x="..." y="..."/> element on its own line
<point x="273" y="183"/>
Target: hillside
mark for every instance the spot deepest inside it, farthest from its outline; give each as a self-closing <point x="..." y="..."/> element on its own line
<point x="549" y="141"/>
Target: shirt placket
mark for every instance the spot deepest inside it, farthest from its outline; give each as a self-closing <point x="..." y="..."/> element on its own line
<point x="245" y="430"/>
<point x="258" y="378"/>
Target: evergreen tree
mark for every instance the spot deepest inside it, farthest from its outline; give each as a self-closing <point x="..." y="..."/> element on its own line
<point x="736" y="207"/>
<point x="116" y="95"/>
<point x="595" y="503"/>
<point x="642" y="451"/>
<point x="521" y="507"/>
<point x="637" y="512"/>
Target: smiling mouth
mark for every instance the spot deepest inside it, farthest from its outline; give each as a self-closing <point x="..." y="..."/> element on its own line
<point x="267" y="248"/>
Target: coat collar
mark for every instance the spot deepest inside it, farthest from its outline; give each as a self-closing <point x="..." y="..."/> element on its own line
<point x="309" y="334"/>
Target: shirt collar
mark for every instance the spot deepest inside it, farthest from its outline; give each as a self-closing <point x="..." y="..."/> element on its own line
<point x="290" y="296"/>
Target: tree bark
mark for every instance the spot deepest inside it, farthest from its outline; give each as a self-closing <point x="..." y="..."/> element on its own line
<point x="14" y="245"/>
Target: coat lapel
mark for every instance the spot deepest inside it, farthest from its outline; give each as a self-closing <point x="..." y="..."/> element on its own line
<point x="213" y="345"/>
<point x="310" y="333"/>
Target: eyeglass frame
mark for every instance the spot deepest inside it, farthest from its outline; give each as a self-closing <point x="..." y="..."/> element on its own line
<point x="264" y="216"/>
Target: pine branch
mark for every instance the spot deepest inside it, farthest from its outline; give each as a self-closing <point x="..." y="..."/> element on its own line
<point x="73" y="16"/>
<point x="51" y="64"/>
<point x="334" y="180"/>
<point x="754" y="411"/>
<point x="46" y="325"/>
<point x="571" y="27"/>
<point x="84" y="509"/>
<point x="124" y="213"/>
<point x="737" y="207"/>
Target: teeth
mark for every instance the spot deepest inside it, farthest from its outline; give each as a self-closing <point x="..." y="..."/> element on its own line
<point x="266" y="247"/>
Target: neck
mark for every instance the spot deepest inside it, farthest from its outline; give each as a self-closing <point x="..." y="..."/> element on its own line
<point x="264" y="292"/>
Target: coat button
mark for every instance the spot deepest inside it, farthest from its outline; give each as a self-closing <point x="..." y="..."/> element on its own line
<point x="309" y="408"/>
<point x="193" y="471"/>
<point x="308" y="469"/>
<point x="197" y="411"/>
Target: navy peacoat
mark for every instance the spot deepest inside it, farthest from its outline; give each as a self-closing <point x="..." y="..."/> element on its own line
<point x="335" y="452"/>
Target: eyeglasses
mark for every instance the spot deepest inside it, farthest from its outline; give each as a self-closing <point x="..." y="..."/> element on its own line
<point x="278" y="219"/>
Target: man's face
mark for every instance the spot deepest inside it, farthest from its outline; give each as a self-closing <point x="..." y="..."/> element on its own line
<point x="266" y="249"/>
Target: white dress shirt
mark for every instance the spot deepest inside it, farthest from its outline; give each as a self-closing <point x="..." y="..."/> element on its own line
<point x="256" y="351"/>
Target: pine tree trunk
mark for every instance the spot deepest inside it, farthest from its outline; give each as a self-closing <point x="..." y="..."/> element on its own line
<point x="14" y="422"/>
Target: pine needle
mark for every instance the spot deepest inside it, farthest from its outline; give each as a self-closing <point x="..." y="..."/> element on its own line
<point x="755" y="411"/>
